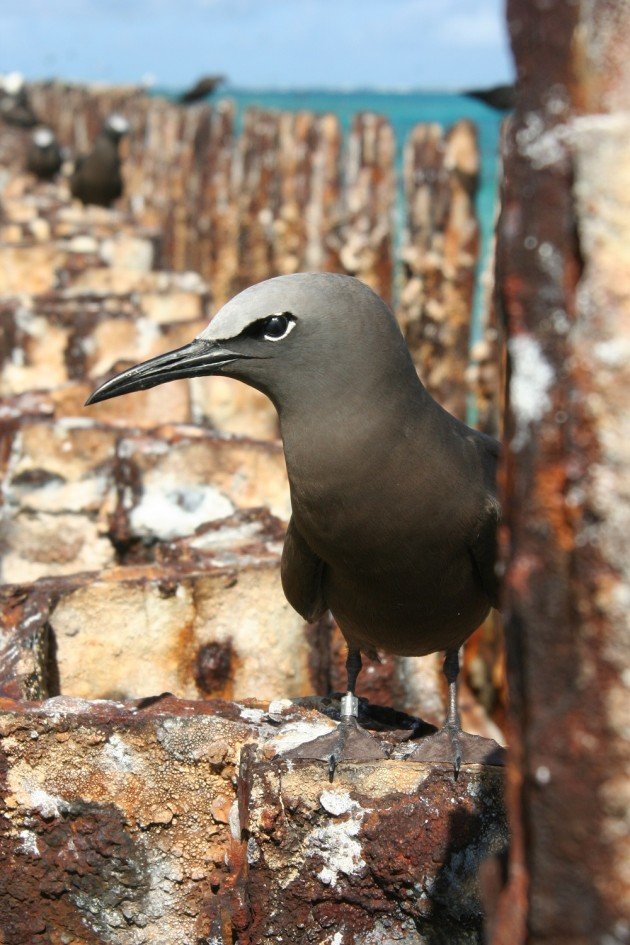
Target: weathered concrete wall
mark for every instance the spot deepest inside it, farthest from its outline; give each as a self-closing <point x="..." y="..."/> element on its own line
<point x="240" y="210"/>
<point x="80" y="495"/>
<point x="563" y="288"/>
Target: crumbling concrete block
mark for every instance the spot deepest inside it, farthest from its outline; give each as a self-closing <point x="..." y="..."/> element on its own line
<point x="52" y="339"/>
<point x="67" y="342"/>
<point x="179" y="478"/>
<point x="41" y="267"/>
<point x="114" y="818"/>
<point x="220" y="632"/>
<point x="225" y="404"/>
<point x="57" y="485"/>
<point x="136" y="822"/>
<point x="388" y="852"/>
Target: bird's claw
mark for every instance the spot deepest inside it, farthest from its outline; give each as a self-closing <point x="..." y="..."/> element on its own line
<point x="454" y="731"/>
<point x="348" y="742"/>
<point x="451" y="745"/>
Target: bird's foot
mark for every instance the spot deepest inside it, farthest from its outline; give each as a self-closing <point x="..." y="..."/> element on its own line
<point x="348" y="742"/>
<point x="451" y="744"/>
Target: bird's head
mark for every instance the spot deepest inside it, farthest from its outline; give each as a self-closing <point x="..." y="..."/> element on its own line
<point x="300" y="338"/>
<point x="13" y="83"/>
<point x="43" y="138"/>
<point x="116" y="126"/>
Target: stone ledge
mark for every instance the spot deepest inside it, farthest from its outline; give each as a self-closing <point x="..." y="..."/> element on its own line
<point x="171" y="821"/>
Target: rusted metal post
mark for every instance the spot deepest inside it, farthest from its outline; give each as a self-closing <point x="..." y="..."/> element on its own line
<point x="366" y="237"/>
<point x="309" y="164"/>
<point x="440" y="254"/>
<point x="563" y="262"/>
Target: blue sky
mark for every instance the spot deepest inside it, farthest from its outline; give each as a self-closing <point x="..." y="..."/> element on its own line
<point x="260" y="43"/>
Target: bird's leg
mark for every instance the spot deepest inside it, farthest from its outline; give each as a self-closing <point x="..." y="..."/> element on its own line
<point x="349" y="708"/>
<point x="453" y="725"/>
<point x="348" y="742"/>
<point x="350" y="703"/>
<point x="450" y="743"/>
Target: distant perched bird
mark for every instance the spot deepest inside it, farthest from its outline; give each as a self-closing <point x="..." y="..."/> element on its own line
<point x="201" y="89"/>
<point x="394" y="506"/>
<point x="500" y="97"/>
<point x="43" y="157"/>
<point x="15" y="107"/>
<point x="97" y="176"/>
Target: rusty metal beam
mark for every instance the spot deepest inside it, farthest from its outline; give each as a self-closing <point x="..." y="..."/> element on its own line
<point x="564" y="294"/>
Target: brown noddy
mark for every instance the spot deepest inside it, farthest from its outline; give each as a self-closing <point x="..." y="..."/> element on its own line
<point x="43" y="158"/>
<point x="394" y="510"/>
<point x="97" y="178"/>
<point x="202" y="88"/>
<point x="15" y="106"/>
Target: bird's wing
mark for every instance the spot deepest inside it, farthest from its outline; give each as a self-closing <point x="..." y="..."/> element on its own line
<point x="483" y="548"/>
<point x="302" y="571"/>
<point x="483" y="545"/>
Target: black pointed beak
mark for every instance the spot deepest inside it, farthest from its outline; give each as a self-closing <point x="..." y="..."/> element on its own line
<point x="200" y="357"/>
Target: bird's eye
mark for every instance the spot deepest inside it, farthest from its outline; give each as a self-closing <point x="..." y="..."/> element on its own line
<point x="277" y="327"/>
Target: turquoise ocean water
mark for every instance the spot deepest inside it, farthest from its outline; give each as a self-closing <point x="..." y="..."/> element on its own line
<point x="404" y="110"/>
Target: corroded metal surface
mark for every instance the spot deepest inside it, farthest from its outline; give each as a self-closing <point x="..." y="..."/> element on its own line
<point x="563" y="290"/>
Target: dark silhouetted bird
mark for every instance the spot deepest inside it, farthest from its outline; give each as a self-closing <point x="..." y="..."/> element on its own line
<point x="500" y="97"/>
<point x="43" y="157"/>
<point x="97" y="176"/>
<point x="15" y="107"/>
<point x="203" y="87"/>
<point x="393" y="499"/>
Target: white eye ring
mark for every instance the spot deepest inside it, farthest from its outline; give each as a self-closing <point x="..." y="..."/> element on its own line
<point x="290" y="325"/>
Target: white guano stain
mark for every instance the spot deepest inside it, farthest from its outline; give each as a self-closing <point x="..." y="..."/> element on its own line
<point x="336" y="842"/>
<point x="336" y="802"/>
<point x="47" y="804"/>
<point x="28" y="843"/>
<point x="252" y="715"/>
<point x="170" y="510"/>
<point x="234" y="821"/>
<point x="542" y="145"/>
<point x="532" y="377"/>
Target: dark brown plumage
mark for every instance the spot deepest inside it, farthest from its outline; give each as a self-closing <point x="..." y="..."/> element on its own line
<point x="97" y="177"/>
<point x="43" y="158"/>
<point x="203" y="87"/>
